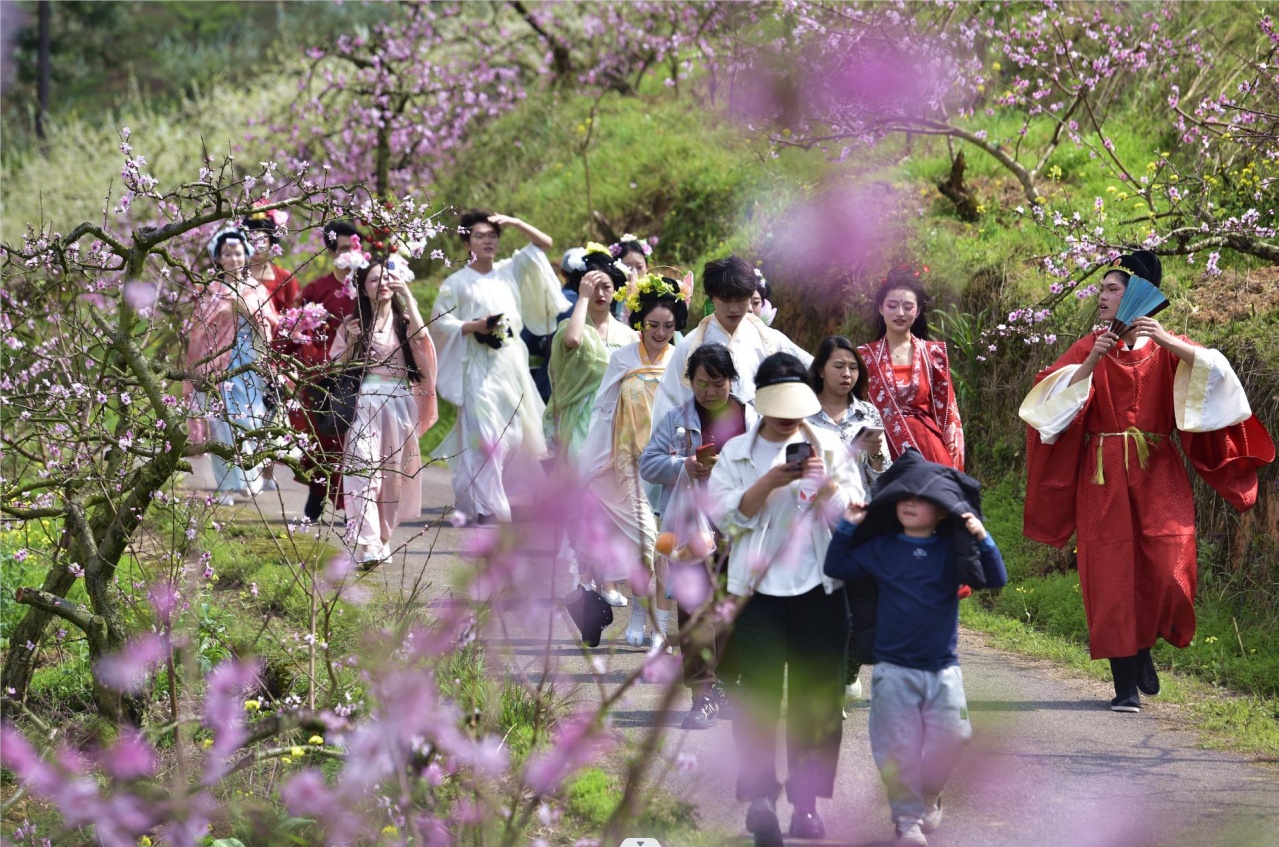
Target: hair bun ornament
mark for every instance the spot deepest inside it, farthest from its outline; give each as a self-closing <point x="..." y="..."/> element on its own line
<point x="646" y="244"/>
<point x="278" y="217"/>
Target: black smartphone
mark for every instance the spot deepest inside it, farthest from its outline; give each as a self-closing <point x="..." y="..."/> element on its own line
<point x="798" y="452"/>
<point x="491" y="321"/>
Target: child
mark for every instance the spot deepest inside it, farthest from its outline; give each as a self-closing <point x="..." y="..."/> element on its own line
<point x="918" y="713"/>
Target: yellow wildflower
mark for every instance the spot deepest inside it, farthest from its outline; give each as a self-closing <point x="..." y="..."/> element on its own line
<point x="252" y="705"/>
<point x="316" y="740"/>
<point x="297" y="752"/>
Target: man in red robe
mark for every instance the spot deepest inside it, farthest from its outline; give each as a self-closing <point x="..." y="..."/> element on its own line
<point x="1102" y="465"/>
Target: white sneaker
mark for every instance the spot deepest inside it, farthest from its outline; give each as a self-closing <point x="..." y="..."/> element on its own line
<point x="613" y="598"/>
<point x="657" y="644"/>
<point x="226" y="499"/>
<point x="853" y="692"/>
<point x="932" y="818"/>
<point x="910" y="835"/>
<point x="636" y="639"/>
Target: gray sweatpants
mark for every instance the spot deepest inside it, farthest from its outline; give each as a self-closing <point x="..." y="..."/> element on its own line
<point x="918" y="727"/>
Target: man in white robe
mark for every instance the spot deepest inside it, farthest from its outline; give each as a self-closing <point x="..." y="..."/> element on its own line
<point x="483" y="366"/>
<point x="730" y="284"/>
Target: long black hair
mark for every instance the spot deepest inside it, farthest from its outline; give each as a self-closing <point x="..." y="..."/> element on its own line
<point x="364" y="311"/>
<point x="825" y="350"/>
<point x="906" y="279"/>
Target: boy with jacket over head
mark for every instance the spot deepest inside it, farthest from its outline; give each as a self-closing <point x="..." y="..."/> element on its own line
<point x="915" y="542"/>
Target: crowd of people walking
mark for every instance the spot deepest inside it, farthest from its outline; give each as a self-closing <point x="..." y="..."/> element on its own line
<point x="822" y="496"/>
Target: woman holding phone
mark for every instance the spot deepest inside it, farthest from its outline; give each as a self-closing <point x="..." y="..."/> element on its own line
<point x="777" y="491"/>
<point x="838" y="377"/>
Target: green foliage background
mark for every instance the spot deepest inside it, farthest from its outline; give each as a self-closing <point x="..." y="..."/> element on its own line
<point x="668" y="165"/>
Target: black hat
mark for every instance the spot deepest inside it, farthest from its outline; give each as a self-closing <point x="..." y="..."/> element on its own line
<point x="1141" y="263"/>
<point x="590" y="611"/>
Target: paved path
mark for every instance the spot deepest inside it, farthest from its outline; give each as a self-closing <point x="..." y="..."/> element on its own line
<point x="1050" y="764"/>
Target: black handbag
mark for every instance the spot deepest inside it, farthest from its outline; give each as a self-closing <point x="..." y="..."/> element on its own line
<point x="335" y="397"/>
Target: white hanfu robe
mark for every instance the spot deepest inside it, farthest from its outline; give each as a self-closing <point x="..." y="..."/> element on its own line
<point x="753" y="342"/>
<point x="499" y="408"/>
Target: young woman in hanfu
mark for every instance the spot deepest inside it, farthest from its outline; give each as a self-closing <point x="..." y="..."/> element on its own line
<point x="1102" y="466"/>
<point x="484" y="371"/>
<point x="228" y="332"/>
<point x="909" y="376"/>
<point x="380" y="465"/>
<point x="581" y="348"/>
<point x="620" y="427"/>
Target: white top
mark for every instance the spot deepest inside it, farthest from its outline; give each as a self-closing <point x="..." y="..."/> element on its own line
<point x="753" y="342"/>
<point x="525" y="290"/>
<point x="781" y="550"/>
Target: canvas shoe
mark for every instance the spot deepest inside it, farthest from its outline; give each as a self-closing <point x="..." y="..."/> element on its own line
<point x="853" y="692"/>
<point x="761" y="822"/>
<point x="932" y="818"/>
<point x="807" y="825"/>
<point x="702" y="714"/>
<point x="723" y="703"/>
<point x="910" y="835"/>
<point x="1147" y="675"/>
<point x="1132" y="703"/>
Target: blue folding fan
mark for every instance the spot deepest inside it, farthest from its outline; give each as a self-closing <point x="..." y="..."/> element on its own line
<point x="1142" y="299"/>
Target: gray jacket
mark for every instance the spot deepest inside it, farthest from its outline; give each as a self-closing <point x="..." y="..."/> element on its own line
<point x="662" y="459"/>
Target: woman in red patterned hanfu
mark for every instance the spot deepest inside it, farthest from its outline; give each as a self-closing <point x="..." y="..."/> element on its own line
<point x="1102" y="465"/>
<point x="909" y="376"/>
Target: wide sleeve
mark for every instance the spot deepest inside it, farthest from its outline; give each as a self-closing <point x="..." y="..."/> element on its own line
<point x="450" y="345"/>
<point x="671" y="392"/>
<point x="428" y="411"/>
<point x="1053" y="403"/>
<point x="1221" y="437"/>
<point x="953" y="431"/>
<point x="541" y="300"/>
<point x="597" y="449"/>
<point x="1208" y="395"/>
<point x="1053" y="463"/>
<point x="788" y="346"/>
<point x="657" y="464"/>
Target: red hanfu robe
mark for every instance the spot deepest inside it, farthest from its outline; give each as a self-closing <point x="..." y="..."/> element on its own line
<point x="921" y="413"/>
<point x="1136" y="528"/>
<point x="326" y="451"/>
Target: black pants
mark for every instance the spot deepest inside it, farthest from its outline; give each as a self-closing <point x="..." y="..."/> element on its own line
<point x="803" y="641"/>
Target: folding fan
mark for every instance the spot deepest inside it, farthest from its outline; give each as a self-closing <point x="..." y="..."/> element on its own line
<point x="1141" y="300"/>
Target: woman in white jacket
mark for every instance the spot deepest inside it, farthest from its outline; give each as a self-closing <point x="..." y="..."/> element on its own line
<point x="793" y="626"/>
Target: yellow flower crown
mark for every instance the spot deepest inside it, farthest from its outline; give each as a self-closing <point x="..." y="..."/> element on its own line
<point x="650" y="284"/>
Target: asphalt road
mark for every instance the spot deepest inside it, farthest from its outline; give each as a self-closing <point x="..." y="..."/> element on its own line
<point x="1049" y="764"/>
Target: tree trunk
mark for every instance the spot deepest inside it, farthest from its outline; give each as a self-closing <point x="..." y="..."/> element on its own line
<point x="953" y="189"/>
<point x="20" y="664"/>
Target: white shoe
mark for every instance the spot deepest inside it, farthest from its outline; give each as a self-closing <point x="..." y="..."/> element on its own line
<point x="613" y="598"/>
<point x="932" y="818"/>
<point x="853" y="692"/>
<point x="636" y="639"/>
<point x="658" y="644"/>
<point x="224" y="500"/>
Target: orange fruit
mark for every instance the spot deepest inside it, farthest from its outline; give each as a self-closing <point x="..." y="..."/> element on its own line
<point x="666" y="543"/>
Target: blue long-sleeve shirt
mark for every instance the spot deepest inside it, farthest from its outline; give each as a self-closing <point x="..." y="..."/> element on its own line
<point x="917" y="612"/>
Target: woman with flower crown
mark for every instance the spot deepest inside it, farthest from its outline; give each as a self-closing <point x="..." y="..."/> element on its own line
<point x="633" y="252"/>
<point x="233" y="322"/>
<point x="620" y="426"/>
<point x="483" y="366"/>
<point x="908" y="376"/>
<point x="581" y="348"/>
